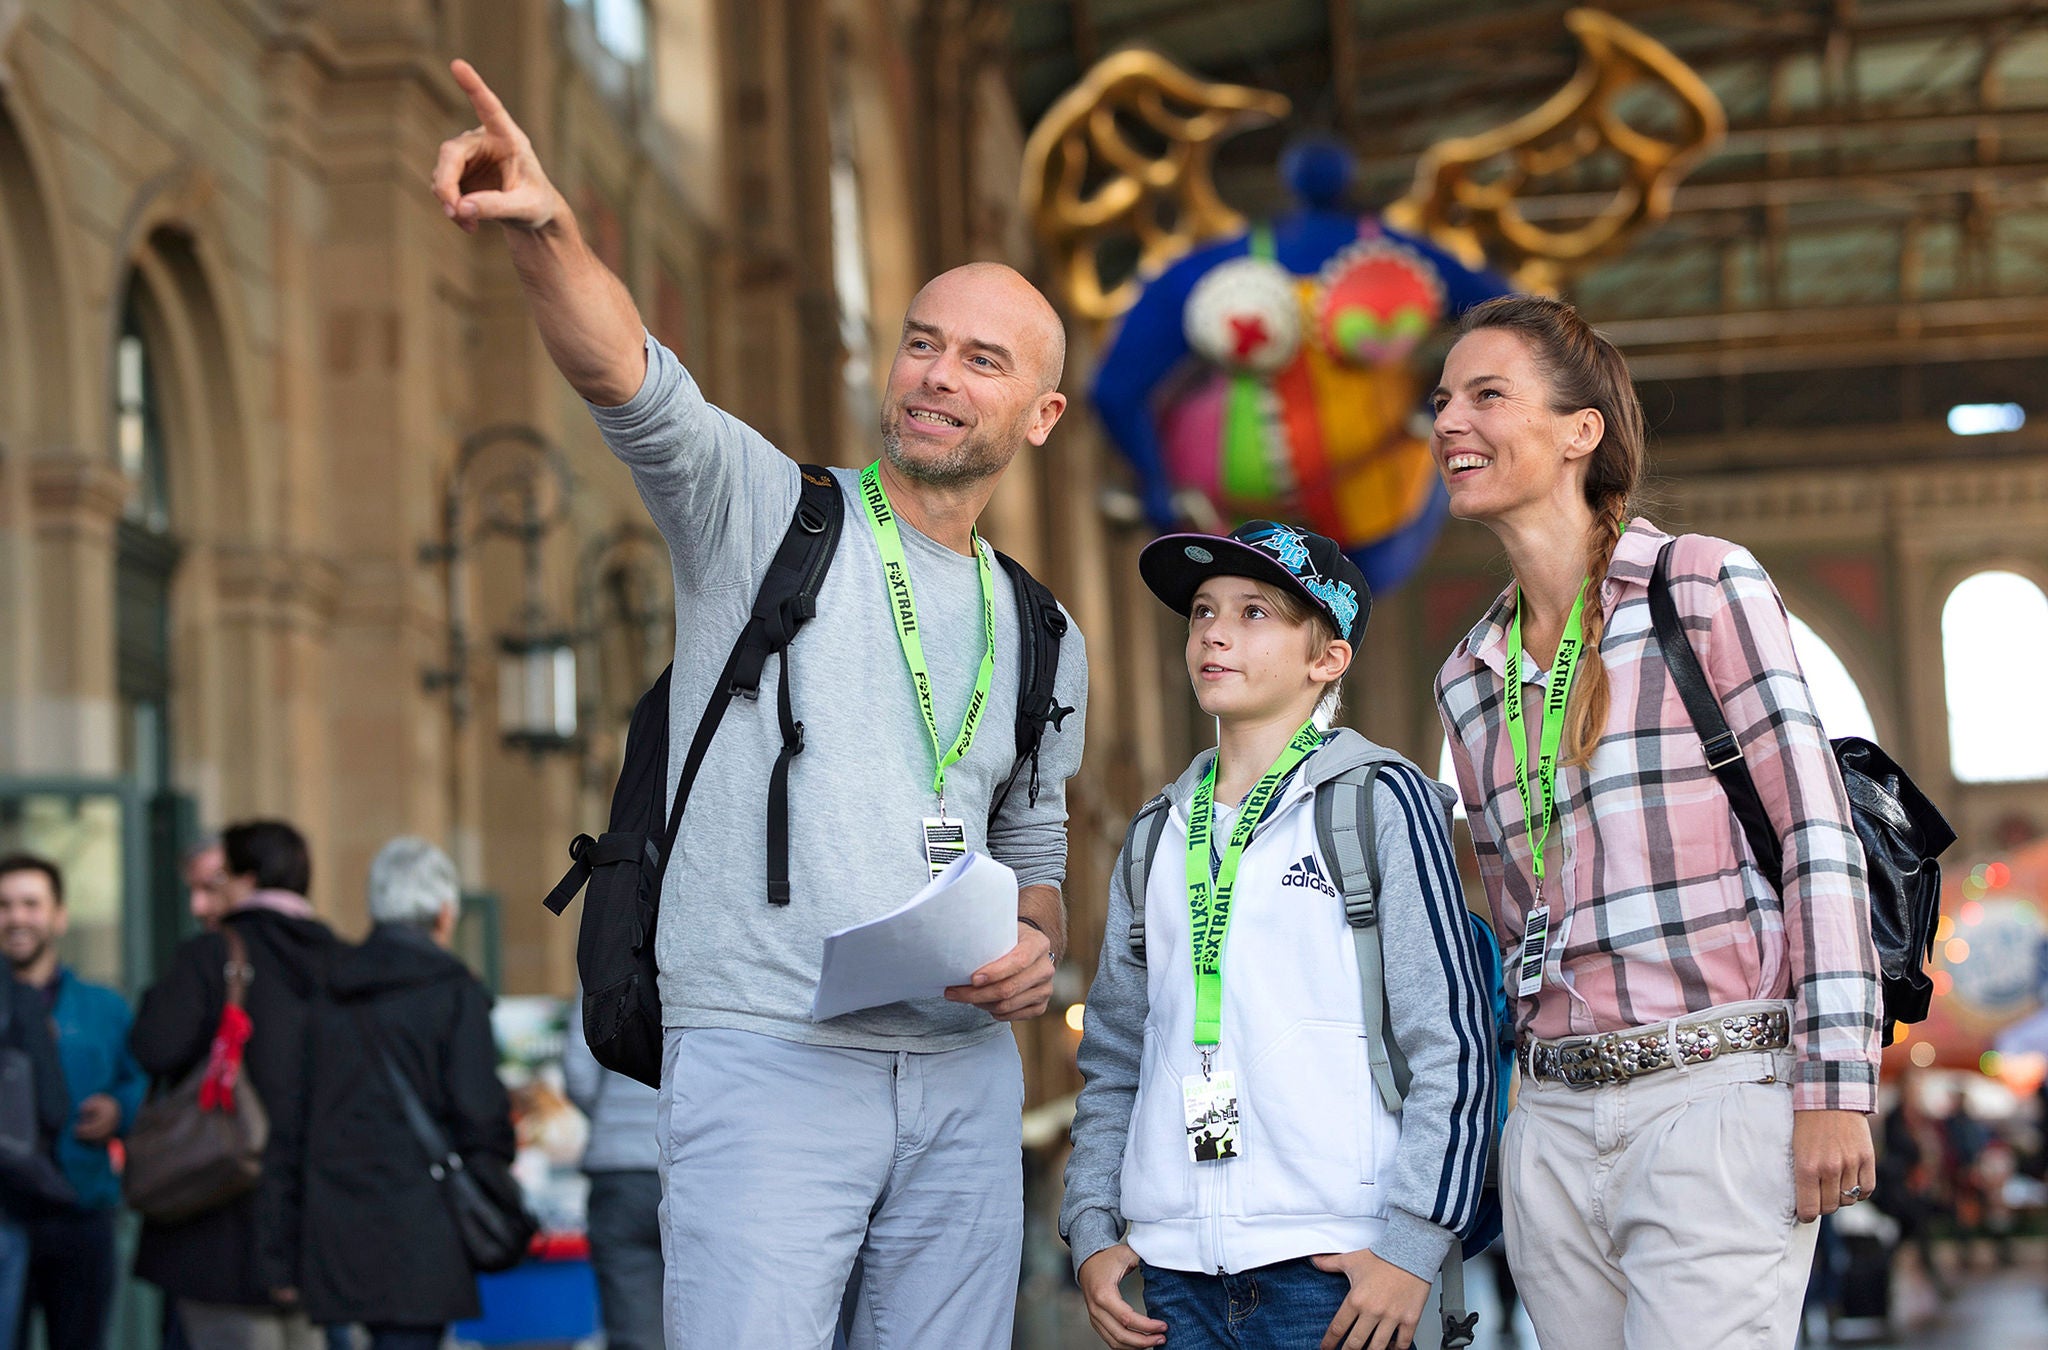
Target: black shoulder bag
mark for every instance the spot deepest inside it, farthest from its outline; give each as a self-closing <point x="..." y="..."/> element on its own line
<point x="482" y="1197"/>
<point x="1901" y="831"/>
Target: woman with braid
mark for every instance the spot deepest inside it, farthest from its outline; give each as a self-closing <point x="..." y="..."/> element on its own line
<point x="1697" y="1041"/>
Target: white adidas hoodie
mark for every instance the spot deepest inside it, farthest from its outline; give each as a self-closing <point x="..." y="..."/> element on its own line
<point x="1324" y="1167"/>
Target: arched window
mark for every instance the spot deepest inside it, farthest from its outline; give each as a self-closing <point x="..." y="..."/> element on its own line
<point x="1994" y="643"/>
<point x="146" y="557"/>
<point x="138" y="435"/>
<point x="1835" y="695"/>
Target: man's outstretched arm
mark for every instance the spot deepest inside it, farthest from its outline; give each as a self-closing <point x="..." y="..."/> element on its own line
<point x="587" y="319"/>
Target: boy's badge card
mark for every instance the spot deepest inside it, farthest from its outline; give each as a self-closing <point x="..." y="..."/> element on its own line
<point x="1211" y="1105"/>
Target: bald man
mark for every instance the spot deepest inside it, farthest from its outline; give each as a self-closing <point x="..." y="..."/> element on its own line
<point x="794" y="1153"/>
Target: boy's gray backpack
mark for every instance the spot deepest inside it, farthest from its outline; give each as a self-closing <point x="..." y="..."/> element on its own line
<point x="1345" y="833"/>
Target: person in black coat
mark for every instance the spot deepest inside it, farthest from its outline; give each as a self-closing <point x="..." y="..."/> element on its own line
<point x="381" y="1247"/>
<point x="234" y="1270"/>
<point x="30" y="1184"/>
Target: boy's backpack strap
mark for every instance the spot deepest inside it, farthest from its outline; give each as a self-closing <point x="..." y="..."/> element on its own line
<point x="1460" y="1326"/>
<point x="1041" y="624"/>
<point x="1139" y="845"/>
<point x="1346" y="835"/>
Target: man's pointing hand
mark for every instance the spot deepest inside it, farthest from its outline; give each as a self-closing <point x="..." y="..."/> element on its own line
<point x="490" y="172"/>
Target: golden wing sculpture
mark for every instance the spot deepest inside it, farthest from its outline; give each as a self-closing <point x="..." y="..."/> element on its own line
<point x="1485" y="221"/>
<point x="1086" y="180"/>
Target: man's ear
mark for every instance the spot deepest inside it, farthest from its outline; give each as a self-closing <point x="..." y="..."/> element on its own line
<point x="1049" y="409"/>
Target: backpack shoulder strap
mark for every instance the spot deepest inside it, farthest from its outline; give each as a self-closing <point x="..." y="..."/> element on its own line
<point x="1140" y="843"/>
<point x="1724" y="755"/>
<point x="1041" y="624"/>
<point x="787" y="600"/>
<point x="1346" y="834"/>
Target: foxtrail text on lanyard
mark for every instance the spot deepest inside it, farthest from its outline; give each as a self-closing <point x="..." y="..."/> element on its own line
<point x="1562" y="670"/>
<point x="1209" y="893"/>
<point x="896" y="575"/>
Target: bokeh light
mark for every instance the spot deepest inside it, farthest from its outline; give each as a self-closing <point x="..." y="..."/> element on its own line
<point x="1955" y="951"/>
<point x="1923" y="1054"/>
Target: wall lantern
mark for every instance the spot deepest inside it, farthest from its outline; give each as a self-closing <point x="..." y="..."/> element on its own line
<point x="518" y="484"/>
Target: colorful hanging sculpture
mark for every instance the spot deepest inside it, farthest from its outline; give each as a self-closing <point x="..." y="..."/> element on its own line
<point x="1267" y="370"/>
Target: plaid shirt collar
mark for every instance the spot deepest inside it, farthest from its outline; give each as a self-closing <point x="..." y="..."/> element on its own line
<point x="1635" y="558"/>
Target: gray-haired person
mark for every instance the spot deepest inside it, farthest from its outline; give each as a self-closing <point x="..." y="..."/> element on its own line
<point x="623" y="1163"/>
<point x="381" y="1249"/>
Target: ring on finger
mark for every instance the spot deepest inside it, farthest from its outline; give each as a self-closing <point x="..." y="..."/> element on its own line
<point x="1854" y="1193"/>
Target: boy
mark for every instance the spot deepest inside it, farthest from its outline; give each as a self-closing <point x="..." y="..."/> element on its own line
<point x="1230" y="1115"/>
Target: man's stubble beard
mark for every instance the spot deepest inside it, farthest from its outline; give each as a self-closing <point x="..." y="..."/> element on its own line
<point x="976" y="459"/>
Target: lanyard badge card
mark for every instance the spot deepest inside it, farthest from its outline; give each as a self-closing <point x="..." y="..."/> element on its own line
<point x="945" y="837"/>
<point x="1209" y="1098"/>
<point x="1536" y="931"/>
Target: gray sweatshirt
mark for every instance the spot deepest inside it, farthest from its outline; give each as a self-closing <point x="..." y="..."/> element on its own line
<point x="722" y="497"/>
<point x="1288" y="956"/>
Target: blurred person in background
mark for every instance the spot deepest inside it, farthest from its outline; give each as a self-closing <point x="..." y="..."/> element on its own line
<point x="624" y="1218"/>
<point x="234" y="1269"/>
<point x="1909" y="1177"/>
<point x="206" y="877"/>
<point x="72" y="1270"/>
<point x="381" y="1247"/>
<point x="26" y="1181"/>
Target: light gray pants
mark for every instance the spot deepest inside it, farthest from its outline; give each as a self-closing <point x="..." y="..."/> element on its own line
<point x="1658" y="1214"/>
<point x="783" y="1164"/>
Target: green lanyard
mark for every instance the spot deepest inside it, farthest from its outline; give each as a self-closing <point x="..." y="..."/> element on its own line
<point x="1209" y="895"/>
<point x="896" y="574"/>
<point x="1561" y="672"/>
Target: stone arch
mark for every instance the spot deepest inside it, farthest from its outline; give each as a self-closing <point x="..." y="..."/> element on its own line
<point x="39" y="405"/>
<point x="38" y="386"/>
<point x="169" y="253"/>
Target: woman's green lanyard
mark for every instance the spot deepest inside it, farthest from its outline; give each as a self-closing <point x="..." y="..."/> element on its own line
<point x="1209" y="895"/>
<point x="896" y="575"/>
<point x="1562" y="670"/>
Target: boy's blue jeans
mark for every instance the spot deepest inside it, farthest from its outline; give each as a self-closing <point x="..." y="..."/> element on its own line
<point x="1284" y="1306"/>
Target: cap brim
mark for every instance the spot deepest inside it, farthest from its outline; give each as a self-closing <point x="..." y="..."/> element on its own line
<point x="1175" y="577"/>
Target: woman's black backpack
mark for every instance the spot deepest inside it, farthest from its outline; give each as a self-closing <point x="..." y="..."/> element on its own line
<point x="624" y="866"/>
<point x="1901" y="831"/>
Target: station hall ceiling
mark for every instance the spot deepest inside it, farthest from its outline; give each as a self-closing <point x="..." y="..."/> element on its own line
<point x="1868" y="246"/>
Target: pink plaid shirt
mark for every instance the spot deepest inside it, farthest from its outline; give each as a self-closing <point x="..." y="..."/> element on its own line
<point x="1657" y="908"/>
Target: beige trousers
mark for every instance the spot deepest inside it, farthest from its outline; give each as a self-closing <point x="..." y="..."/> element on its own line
<point x="1658" y="1214"/>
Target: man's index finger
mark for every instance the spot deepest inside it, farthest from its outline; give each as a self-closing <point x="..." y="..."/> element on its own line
<point x="489" y="110"/>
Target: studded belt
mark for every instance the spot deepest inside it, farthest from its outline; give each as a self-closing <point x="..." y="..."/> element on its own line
<point x="1617" y="1056"/>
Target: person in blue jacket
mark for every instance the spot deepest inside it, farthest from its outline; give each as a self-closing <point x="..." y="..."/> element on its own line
<point x="72" y="1268"/>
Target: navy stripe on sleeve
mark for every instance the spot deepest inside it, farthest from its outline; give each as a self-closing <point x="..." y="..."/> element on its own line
<point x="1469" y="1008"/>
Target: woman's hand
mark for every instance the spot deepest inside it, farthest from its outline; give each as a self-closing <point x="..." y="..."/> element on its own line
<point x="1384" y="1306"/>
<point x="1831" y="1153"/>
<point x="1116" y="1321"/>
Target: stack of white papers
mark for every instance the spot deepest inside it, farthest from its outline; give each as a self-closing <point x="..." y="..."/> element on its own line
<point x="963" y="920"/>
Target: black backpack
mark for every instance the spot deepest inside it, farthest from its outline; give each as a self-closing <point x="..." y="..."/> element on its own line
<point x="624" y="866"/>
<point x="1901" y="831"/>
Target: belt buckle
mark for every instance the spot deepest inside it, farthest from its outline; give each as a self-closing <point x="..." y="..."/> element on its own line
<point x="1591" y="1062"/>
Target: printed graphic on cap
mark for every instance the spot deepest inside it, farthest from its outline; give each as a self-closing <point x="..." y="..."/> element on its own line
<point x="1338" y="595"/>
<point x="1196" y="553"/>
<point x="1286" y="543"/>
